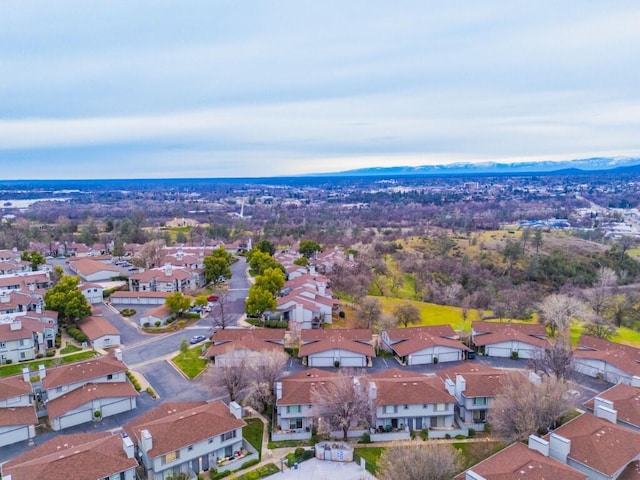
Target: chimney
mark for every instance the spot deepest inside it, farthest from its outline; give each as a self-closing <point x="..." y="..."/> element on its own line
<point x="146" y="442"/>
<point x="559" y="447"/>
<point x="539" y="445"/>
<point x="278" y="390"/>
<point x="127" y="446"/>
<point x="299" y="313"/>
<point x="322" y="289"/>
<point x="118" y="353"/>
<point x="168" y="269"/>
<point x="236" y="410"/>
<point x="461" y="386"/>
<point x="373" y="391"/>
<point x="15" y="325"/>
<point x="450" y="386"/>
<point x="39" y="308"/>
<point x="604" y="409"/>
<point x="635" y="381"/>
<point x="26" y="375"/>
<point x="42" y="371"/>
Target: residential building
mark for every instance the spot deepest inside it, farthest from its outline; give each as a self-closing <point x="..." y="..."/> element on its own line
<point x="231" y="346"/>
<point x="17" y="413"/>
<point x="159" y="314"/>
<point x="138" y="298"/>
<point x="92" y="292"/>
<point x="519" y="340"/>
<point x="190" y="437"/>
<point x="17" y="342"/>
<point x="100" y="332"/>
<point x="90" y="270"/>
<point x="85" y="456"/>
<point x="613" y="362"/>
<point x="519" y="462"/>
<point x="424" y="345"/>
<point x="343" y="348"/>
<point x="475" y="387"/>
<point x="624" y="400"/>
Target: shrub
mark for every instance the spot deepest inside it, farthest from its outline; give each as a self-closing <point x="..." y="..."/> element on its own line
<point x="127" y="312"/>
<point x="424" y="434"/>
<point x="35" y="378"/>
<point x="39" y="355"/>
<point x="366" y="438"/>
<point x="170" y="320"/>
<point x="50" y="353"/>
<point x="97" y="414"/>
<point x="514" y="355"/>
<point x="191" y="315"/>
<point x="151" y="392"/>
<point x="460" y="437"/>
<point x="599" y="376"/>
<point x="8" y="361"/>
<point x="58" y="341"/>
<point x="158" y="323"/>
<point x="435" y="360"/>
<point x="447" y="436"/>
<point x="472" y="433"/>
<point x="146" y="324"/>
<point x="341" y="314"/>
<point x="215" y="475"/>
<point x="250" y="463"/>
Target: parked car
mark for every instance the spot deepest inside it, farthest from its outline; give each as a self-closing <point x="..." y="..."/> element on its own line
<point x="212" y="298"/>
<point x="196" y="339"/>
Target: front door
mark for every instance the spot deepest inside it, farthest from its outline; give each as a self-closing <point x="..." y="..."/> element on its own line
<point x="394" y="423"/>
<point x="418" y="423"/>
<point x="205" y="462"/>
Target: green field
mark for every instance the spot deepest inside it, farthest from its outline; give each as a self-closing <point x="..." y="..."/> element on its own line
<point x="16" y="368"/>
<point x="191" y="364"/>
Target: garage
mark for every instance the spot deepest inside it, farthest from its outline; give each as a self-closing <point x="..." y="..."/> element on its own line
<point x="13" y="434"/>
<point x="451" y="356"/>
<point x="353" y="361"/>
<point x="113" y="406"/>
<point x="319" y="361"/>
<point x="73" y="418"/>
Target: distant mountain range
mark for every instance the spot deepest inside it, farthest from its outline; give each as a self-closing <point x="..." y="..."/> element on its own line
<point x="587" y="165"/>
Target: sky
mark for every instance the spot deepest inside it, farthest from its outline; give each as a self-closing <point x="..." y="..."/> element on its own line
<point x="235" y="88"/>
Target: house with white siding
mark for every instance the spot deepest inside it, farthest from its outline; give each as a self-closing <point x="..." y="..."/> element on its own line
<point x="189" y="438"/>
<point x="624" y="400"/>
<point x="613" y="362"/>
<point x="515" y="340"/>
<point x="100" y="332"/>
<point x="232" y="346"/>
<point x="17" y="414"/>
<point x="424" y="345"/>
<point x="339" y="347"/>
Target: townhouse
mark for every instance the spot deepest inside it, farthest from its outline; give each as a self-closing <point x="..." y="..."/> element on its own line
<point x="17" y="412"/>
<point x="100" y="332"/>
<point x="337" y="348"/>
<point x="475" y="387"/>
<point x="190" y="437"/>
<point x="515" y="340"/>
<point x="232" y="347"/>
<point x="90" y="270"/>
<point x="424" y="345"/>
<point x="624" y="400"/>
<point x="85" y="456"/>
<point x="613" y="362"/>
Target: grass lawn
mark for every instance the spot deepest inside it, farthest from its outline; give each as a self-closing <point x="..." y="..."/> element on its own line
<point x="252" y="433"/>
<point x="191" y="364"/>
<point x="371" y="455"/>
<point x="260" y="472"/>
<point x="70" y="349"/>
<point x="16" y="368"/>
<point x="433" y="314"/>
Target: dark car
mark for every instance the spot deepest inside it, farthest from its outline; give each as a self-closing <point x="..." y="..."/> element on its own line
<point x="196" y="339"/>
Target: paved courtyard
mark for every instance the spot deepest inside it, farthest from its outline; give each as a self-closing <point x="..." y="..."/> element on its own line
<point x="315" y="469"/>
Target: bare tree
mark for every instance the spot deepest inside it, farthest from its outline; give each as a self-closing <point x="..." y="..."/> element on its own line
<point x="234" y="375"/>
<point x="221" y="316"/>
<point x="523" y="407"/>
<point x="558" y="310"/>
<point x="386" y="321"/>
<point x="341" y="403"/>
<point x="602" y="288"/>
<point x="406" y="313"/>
<point x="370" y="310"/>
<point x="556" y="359"/>
<point x="150" y="254"/>
<point x="420" y="462"/>
<point x="264" y="374"/>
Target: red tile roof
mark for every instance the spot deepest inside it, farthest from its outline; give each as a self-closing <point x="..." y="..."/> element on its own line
<point x="624" y="357"/>
<point x="297" y="388"/>
<point x="397" y="387"/>
<point x="18" y="416"/>
<point x="72" y="457"/>
<point x="519" y="462"/>
<point x="356" y="341"/>
<point x="536" y="329"/>
<point x="406" y="341"/>
<point x="257" y="340"/>
<point x="96" y="327"/>
<point x="177" y="425"/>
<point x="600" y="444"/>
<point x="13" y="387"/>
<point x="481" y="381"/>
<point x="91" y="391"/>
<point x="89" y="266"/>
<point x="84" y="371"/>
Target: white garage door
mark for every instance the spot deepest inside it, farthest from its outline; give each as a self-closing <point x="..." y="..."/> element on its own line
<point x="352" y="362"/>
<point x="115" y="405"/>
<point x="421" y="359"/>
<point x="17" y="434"/>
<point x="320" y="361"/>
<point x="449" y="357"/>
<point x="497" y="352"/>
<point x="76" y="418"/>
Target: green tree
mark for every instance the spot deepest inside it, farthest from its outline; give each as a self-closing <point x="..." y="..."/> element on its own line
<point x="259" y="301"/>
<point x="302" y="261"/>
<point x="181" y="237"/>
<point x="512" y="253"/>
<point x="36" y="259"/>
<point x="217" y="267"/>
<point x="118" y="249"/>
<point x="201" y="301"/>
<point x="66" y="299"/>
<point x="177" y="303"/>
<point x="272" y="280"/>
<point x="266" y="246"/>
<point x="309" y="247"/>
<point x="259" y="261"/>
<point x="184" y="347"/>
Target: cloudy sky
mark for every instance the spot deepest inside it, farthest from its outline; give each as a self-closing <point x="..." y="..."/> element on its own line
<point x="217" y="88"/>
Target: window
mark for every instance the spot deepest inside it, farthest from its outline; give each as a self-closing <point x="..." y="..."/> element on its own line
<point x="189" y="448"/>
<point x="170" y="457"/>
<point x="441" y="407"/>
<point x="23" y="355"/>
<point x="479" y="416"/>
<point x="211" y="440"/>
<point x="22" y="342"/>
<point x="406" y="407"/>
<point x="480" y="400"/>
<point x="424" y="405"/>
<point x="295" y="423"/>
<point x="390" y="409"/>
<point x="293" y="409"/>
<point x="228" y="435"/>
<point x="110" y="377"/>
<point x="2" y="345"/>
